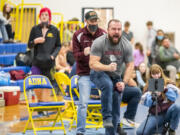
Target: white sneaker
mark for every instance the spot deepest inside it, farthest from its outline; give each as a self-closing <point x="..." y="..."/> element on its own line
<point x="129" y="123"/>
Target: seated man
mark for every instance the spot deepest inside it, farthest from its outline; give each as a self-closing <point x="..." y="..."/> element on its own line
<point x="170" y="56"/>
<point x="108" y="53"/>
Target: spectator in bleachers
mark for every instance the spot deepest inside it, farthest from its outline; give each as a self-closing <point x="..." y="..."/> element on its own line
<point x="82" y="41"/>
<point x="45" y="40"/>
<point x="170" y="57"/>
<point x="138" y="54"/>
<point x="3" y="32"/>
<point x="69" y="28"/>
<point x="61" y="64"/>
<point x="69" y="56"/>
<point x="150" y="38"/>
<point x="127" y="33"/>
<point x="151" y="35"/>
<point x="141" y="75"/>
<point x="7" y="14"/>
<point x="155" y="46"/>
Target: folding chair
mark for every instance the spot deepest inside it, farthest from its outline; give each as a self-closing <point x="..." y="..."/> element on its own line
<point x="42" y="82"/>
<point x="94" y="116"/>
<point x="63" y="79"/>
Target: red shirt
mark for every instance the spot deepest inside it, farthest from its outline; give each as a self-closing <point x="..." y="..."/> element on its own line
<point x="82" y="39"/>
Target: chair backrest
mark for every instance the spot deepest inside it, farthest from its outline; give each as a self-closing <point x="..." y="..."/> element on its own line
<point x="62" y="79"/>
<point x="74" y="85"/>
<point x="37" y="82"/>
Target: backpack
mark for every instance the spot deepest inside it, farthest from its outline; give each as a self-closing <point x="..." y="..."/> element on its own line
<point x="17" y="74"/>
<point x="24" y="59"/>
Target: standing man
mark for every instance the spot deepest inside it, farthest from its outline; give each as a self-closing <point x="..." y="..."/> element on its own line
<point x="108" y="53"/>
<point x="82" y="41"/>
<point x="45" y="40"/>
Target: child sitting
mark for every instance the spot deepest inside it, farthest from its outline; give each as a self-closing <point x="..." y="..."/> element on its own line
<point x="168" y="110"/>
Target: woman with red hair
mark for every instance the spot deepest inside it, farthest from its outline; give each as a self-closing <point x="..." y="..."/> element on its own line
<point x="45" y="40"/>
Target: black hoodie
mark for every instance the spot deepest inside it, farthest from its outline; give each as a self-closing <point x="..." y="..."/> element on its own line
<point x="44" y="51"/>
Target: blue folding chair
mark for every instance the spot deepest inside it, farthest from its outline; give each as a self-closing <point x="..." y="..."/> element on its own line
<point x="42" y="82"/>
<point x="94" y="116"/>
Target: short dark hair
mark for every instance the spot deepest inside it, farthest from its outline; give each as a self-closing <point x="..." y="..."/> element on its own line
<point x="165" y="37"/>
<point x="160" y="30"/>
<point x="126" y="24"/>
<point x="113" y="20"/>
<point x="149" y="23"/>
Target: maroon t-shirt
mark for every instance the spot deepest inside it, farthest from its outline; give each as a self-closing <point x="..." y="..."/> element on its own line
<point x="82" y="39"/>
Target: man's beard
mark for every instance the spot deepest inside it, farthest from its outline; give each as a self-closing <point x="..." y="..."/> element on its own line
<point x="112" y="41"/>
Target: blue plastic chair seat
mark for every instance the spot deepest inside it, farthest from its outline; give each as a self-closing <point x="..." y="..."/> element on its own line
<point x="46" y="104"/>
<point x="90" y="102"/>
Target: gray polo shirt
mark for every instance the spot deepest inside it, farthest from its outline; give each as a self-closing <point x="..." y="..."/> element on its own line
<point x="120" y="53"/>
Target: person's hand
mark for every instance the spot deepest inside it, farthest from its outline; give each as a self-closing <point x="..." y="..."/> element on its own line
<point x="176" y="56"/>
<point x="112" y="66"/>
<point x="148" y="52"/>
<point x="39" y="40"/>
<point x="120" y="86"/>
<point x="52" y="57"/>
<point x="87" y="51"/>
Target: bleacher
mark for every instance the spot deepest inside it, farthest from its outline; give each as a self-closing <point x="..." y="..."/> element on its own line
<point x="8" y="52"/>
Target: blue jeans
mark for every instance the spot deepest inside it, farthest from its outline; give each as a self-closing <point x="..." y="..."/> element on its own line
<point x="3" y="32"/>
<point x="73" y="70"/>
<point x="84" y="86"/>
<point x="131" y="96"/>
<point x="171" y="116"/>
<point x="110" y="99"/>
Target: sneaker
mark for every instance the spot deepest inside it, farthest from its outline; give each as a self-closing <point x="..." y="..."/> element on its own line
<point x="121" y="131"/>
<point x="107" y="123"/>
<point x="129" y="123"/>
<point x="165" y="128"/>
<point x="171" y="132"/>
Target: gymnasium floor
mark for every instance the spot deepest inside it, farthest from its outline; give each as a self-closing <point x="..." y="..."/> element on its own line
<point x="13" y="119"/>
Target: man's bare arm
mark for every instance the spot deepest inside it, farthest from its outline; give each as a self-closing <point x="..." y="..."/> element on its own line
<point x="128" y="72"/>
<point x="95" y="64"/>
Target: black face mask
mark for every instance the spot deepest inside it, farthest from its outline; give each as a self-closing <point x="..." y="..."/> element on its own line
<point x="45" y="24"/>
<point x="93" y="28"/>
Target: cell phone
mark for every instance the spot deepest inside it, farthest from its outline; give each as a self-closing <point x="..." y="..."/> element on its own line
<point x="156" y="85"/>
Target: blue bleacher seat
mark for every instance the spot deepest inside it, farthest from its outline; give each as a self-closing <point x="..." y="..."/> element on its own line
<point x="7" y="59"/>
<point x="12" y="48"/>
<point x="8" y="52"/>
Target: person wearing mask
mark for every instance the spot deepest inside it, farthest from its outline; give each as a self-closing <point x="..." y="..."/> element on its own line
<point x="155" y="47"/>
<point x="44" y="39"/>
<point x="82" y="41"/>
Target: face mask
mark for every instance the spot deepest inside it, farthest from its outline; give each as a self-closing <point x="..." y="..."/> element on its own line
<point x="159" y="37"/>
<point x="93" y="28"/>
<point x="45" y="24"/>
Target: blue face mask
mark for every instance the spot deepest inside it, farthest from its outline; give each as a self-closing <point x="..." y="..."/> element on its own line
<point x="160" y="37"/>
